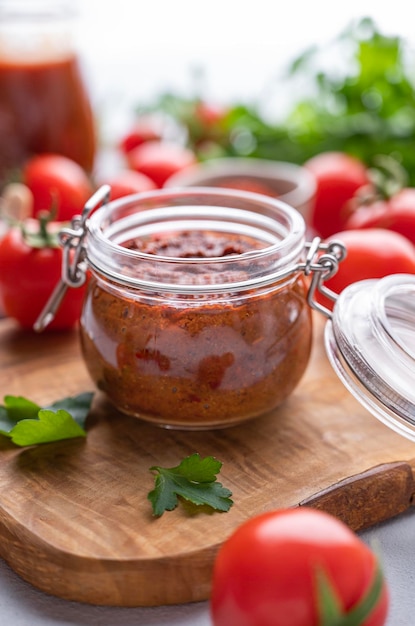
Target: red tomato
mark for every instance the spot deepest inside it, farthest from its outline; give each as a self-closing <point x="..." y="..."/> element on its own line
<point x="209" y="113"/>
<point x="160" y="159"/>
<point x="145" y="128"/>
<point x="127" y="182"/>
<point x="397" y="213"/>
<point x="57" y="182"/>
<point x="27" y="277"/>
<point x="266" y="573"/>
<point x="371" y="253"/>
<point x="338" y="177"/>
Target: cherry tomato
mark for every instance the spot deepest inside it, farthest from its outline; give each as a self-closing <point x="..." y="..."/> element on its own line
<point x="371" y="253"/>
<point x="207" y="128"/>
<point x="58" y="183"/>
<point x="160" y="159"/>
<point x="127" y="182"/>
<point x="267" y="572"/>
<point x="338" y="177"/>
<point x="397" y="213"/>
<point x="145" y="128"/>
<point x="210" y="113"/>
<point x="27" y="277"/>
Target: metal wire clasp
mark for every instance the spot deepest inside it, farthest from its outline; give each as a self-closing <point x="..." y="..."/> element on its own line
<point x="73" y="258"/>
<point x="321" y="267"/>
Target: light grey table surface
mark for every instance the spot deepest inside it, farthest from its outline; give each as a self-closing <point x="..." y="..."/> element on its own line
<point x="23" y="605"/>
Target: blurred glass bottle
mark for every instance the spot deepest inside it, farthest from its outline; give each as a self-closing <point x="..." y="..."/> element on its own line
<point x="44" y="104"/>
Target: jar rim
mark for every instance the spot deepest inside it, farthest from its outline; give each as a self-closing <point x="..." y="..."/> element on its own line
<point x="301" y="183"/>
<point x="370" y="342"/>
<point x="281" y="226"/>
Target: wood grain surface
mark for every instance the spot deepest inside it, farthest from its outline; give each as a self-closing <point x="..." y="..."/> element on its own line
<point x="74" y="516"/>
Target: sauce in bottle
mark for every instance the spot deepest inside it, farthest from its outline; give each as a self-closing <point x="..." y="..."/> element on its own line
<point x="44" y="104"/>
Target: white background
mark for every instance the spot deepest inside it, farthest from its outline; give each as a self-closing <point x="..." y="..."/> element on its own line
<point x="135" y="49"/>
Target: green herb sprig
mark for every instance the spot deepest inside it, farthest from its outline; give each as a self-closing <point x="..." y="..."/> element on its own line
<point x="194" y="479"/>
<point x="26" y="423"/>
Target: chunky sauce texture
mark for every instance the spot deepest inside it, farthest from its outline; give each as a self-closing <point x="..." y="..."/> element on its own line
<point x="192" y="362"/>
<point x="195" y="244"/>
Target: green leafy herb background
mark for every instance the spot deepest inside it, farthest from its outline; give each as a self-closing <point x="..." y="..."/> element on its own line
<point x="364" y="105"/>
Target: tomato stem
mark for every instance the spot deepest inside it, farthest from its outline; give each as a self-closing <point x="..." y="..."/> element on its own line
<point x="330" y="610"/>
<point x="44" y="218"/>
<point x="43" y="237"/>
<point x="387" y="176"/>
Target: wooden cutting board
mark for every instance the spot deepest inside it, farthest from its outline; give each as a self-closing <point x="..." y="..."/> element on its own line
<point x="74" y="516"/>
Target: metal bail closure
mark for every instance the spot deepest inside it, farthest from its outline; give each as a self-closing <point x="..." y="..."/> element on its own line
<point x="73" y="272"/>
<point x="321" y="267"/>
<point x="370" y="342"/>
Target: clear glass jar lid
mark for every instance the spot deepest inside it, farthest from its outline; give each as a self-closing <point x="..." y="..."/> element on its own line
<point x="370" y="342"/>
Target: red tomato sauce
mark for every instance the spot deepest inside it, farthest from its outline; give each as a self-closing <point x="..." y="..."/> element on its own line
<point x="44" y="107"/>
<point x="191" y="361"/>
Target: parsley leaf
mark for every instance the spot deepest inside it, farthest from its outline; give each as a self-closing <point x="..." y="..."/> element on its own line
<point x="78" y="406"/>
<point x="26" y="423"/>
<point x="194" y="480"/>
<point x="16" y="408"/>
<point x="50" y="426"/>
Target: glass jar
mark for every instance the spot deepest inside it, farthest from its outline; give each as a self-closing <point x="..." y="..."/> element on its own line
<point x="223" y="334"/>
<point x="44" y="104"/>
<point x="196" y="313"/>
<point x="370" y="341"/>
<point x="289" y="182"/>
